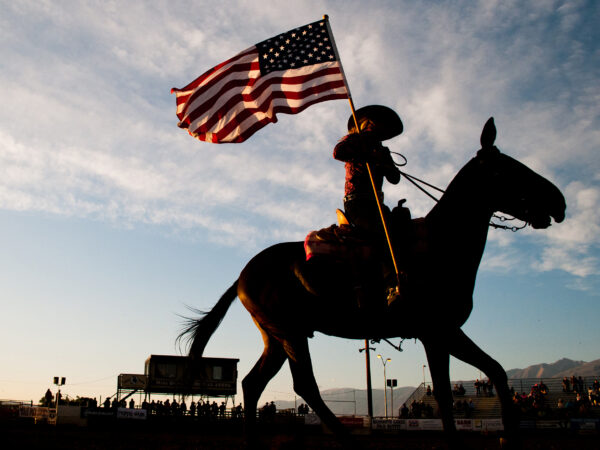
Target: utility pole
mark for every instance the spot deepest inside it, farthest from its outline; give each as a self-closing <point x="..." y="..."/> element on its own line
<point x="367" y="350"/>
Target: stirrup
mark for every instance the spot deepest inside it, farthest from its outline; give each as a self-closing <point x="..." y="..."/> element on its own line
<point x="393" y="295"/>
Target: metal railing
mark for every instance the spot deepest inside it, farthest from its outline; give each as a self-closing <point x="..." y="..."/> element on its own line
<point x="521" y="385"/>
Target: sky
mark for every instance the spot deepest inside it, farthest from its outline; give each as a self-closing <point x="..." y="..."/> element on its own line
<point x="114" y="222"/>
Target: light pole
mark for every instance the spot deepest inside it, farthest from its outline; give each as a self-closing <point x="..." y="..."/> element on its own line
<point x="58" y="381"/>
<point x="384" y="362"/>
<point x="392" y="383"/>
<point x="424" y="376"/>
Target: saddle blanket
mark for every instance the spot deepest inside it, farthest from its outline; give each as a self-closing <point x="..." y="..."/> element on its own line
<point x="338" y="242"/>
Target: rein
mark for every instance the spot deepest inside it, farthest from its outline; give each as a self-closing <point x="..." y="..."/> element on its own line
<point x="418" y="183"/>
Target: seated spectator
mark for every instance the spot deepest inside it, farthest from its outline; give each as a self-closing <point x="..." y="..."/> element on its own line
<point x="574" y="386"/>
<point x="535" y="389"/>
<point x="461" y="390"/>
<point x="404" y="411"/>
<point x="581" y="384"/>
<point x="428" y="392"/>
<point x="565" y="385"/>
<point x="459" y="407"/>
<point x="470" y="408"/>
<point x="428" y="411"/>
<point x="490" y="388"/>
<point x="543" y="388"/>
<point x="593" y="396"/>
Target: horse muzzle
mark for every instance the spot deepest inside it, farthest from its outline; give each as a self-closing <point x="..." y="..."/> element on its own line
<point x="541" y="217"/>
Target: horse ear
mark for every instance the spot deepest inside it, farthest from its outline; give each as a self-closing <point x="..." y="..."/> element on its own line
<point x="488" y="135"/>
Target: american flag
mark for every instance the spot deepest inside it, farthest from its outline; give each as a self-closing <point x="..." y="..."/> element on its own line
<point x="284" y="74"/>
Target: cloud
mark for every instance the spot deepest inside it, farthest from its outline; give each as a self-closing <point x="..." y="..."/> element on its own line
<point x="88" y="124"/>
<point x="573" y="246"/>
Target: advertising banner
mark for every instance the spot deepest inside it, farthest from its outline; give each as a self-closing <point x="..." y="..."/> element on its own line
<point x="492" y="424"/>
<point x="431" y="424"/>
<point x="132" y="381"/>
<point x="477" y="424"/>
<point x="464" y="424"/>
<point x="128" y="413"/>
<point x="585" y="424"/>
<point x="352" y="421"/>
<point x="413" y="424"/>
<point x="389" y="425"/>
<point x="548" y="425"/>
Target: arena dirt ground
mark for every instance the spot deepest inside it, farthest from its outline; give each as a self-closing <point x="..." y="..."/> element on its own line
<point x="18" y="436"/>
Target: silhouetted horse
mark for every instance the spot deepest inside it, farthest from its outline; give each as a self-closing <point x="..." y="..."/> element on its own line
<point x="441" y="275"/>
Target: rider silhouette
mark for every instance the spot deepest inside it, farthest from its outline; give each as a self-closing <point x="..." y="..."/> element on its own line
<point x="377" y="123"/>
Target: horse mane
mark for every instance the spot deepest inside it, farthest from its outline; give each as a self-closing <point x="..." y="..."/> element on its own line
<point x="197" y="332"/>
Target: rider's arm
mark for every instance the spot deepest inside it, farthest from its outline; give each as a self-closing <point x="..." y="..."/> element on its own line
<point x="386" y="164"/>
<point x="356" y="148"/>
<point x="361" y="148"/>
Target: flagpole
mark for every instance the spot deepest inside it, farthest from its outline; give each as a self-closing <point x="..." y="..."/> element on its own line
<point x="375" y="193"/>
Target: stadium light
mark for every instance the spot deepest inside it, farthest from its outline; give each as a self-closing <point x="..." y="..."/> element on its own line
<point x="384" y="362"/>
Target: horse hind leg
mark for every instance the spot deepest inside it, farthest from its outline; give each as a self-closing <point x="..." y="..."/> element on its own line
<point x="306" y="387"/>
<point x="256" y="380"/>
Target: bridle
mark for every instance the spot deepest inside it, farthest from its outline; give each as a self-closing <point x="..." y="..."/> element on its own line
<point x="418" y="183"/>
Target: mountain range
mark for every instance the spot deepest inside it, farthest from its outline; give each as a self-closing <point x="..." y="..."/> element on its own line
<point x="349" y="401"/>
<point x="562" y="368"/>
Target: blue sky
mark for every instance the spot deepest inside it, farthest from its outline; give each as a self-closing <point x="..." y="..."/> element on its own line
<point x="112" y="219"/>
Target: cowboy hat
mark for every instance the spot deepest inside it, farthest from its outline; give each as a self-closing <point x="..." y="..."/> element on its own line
<point x="386" y="123"/>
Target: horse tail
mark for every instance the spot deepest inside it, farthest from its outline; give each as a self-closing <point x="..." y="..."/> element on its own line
<point x="199" y="331"/>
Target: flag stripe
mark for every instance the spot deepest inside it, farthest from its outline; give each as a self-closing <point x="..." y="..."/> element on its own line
<point x="291" y="82"/>
<point x="274" y="102"/>
<point x="205" y="77"/>
<point x="241" y="66"/>
<point x="248" y="130"/>
<point x="261" y="108"/>
<point x="236" y="98"/>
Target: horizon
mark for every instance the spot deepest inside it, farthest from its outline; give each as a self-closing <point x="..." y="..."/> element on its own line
<point x="348" y="389"/>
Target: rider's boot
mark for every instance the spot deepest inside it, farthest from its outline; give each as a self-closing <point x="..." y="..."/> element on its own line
<point x="396" y="289"/>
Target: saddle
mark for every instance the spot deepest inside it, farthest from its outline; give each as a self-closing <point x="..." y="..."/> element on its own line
<point x="342" y="255"/>
<point x="338" y="242"/>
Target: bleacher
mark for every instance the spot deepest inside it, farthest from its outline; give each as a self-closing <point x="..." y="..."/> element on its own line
<point x="488" y="406"/>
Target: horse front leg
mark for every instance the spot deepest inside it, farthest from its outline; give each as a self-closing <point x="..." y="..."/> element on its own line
<point x="439" y="367"/>
<point x="466" y="350"/>
<point x="306" y="387"/>
<point x="254" y="384"/>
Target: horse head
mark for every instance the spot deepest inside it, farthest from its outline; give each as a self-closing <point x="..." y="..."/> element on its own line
<point x="517" y="190"/>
